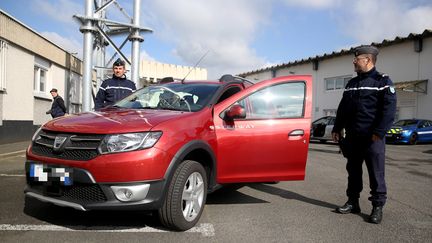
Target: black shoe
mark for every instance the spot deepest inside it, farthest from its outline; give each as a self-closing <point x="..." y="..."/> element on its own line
<point x="349" y="207"/>
<point x="376" y="215"/>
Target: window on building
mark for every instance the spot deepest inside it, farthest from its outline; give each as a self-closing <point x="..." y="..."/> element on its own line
<point x="336" y="83"/>
<point x="39" y="79"/>
<point x="41" y="68"/>
<point x="3" y="52"/>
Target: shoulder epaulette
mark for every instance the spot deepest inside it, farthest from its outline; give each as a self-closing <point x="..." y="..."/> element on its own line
<point x="382" y="75"/>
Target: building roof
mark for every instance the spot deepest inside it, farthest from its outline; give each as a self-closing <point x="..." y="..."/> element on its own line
<point x="385" y="42"/>
<point x="34" y="32"/>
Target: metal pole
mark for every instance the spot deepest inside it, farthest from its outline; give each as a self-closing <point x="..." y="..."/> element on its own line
<point x="136" y="39"/>
<point x="100" y="13"/>
<point x="87" y="30"/>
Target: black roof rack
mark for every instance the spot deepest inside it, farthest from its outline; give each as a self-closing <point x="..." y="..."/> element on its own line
<point x="166" y="80"/>
<point x="229" y="78"/>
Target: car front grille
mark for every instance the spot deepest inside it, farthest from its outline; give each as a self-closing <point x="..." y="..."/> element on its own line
<point x="84" y="193"/>
<point x="78" y="193"/>
<point x="74" y="147"/>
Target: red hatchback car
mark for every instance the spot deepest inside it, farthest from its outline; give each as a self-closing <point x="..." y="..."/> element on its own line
<point x="164" y="147"/>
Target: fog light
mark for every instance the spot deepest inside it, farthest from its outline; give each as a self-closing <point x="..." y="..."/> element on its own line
<point x="131" y="193"/>
<point x="124" y="194"/>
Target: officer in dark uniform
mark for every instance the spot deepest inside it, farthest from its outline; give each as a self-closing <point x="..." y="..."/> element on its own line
<point x="366" y="112"/>
<point x="116" y="88"/>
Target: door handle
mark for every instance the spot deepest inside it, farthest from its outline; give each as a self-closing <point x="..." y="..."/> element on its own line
<point x="297" y="132"/>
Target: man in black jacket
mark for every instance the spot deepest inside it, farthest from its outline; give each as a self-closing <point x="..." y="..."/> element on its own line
<point x="366" y="112"/>
<point x="115" y="88"/>
<point x="58" y="107"/>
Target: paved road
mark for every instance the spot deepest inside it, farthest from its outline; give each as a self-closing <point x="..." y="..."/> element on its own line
<point x="299" y="211"/>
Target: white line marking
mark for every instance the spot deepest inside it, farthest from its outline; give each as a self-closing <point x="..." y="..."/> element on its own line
<point x="6" y="175"/>
<point x="13" y="153"/>
<point x="207" y="230"/>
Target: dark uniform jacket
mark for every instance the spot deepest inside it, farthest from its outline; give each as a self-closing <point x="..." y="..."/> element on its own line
<point x="58" y="107"/>
<point x="112" y="90"/>
<point x="368" y="105"/>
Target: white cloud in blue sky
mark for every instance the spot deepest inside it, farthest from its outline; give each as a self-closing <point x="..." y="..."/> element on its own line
<point x="317" y="4"/>
<point x="241" y="35"/>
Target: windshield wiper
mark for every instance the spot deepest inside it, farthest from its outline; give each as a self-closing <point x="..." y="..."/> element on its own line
<point x="168" y="108"/>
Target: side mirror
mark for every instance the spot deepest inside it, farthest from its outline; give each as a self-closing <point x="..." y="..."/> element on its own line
<point x="235" y="111"/>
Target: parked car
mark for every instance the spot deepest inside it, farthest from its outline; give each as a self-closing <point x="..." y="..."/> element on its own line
<point x="164" y="147"/>
<point x="321" y="129"/>
<point x="410" y="131"/>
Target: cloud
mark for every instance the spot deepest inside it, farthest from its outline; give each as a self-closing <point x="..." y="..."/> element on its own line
<point x="316" y="4"/>
<point x="69" y="44"/>
<point x="224" y="27"/>
<point x="375" y="20"/>
<point x="145" y="56"/>
<point x="61" y="10"/>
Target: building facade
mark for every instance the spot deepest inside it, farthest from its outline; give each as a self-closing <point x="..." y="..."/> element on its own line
<point x="153" y="72"/>
<point x="30" y="65"/>
<point x="407" y="60"/>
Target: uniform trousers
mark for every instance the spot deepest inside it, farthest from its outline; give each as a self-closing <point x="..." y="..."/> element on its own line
<point x="373" y="153"/>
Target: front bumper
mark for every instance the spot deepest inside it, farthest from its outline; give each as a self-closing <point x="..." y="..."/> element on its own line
<point x="85" y="194"/>
<point x="396" y="138"/>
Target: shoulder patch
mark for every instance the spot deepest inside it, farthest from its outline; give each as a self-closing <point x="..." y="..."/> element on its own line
<point x="392" y="89"/>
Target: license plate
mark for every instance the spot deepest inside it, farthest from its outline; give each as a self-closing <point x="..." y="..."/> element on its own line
<point x="44" y="173"/>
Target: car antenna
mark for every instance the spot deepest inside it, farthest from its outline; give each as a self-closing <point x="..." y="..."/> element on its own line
<point x="205" y="54"/>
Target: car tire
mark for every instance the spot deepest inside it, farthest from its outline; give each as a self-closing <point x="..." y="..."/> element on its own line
<point x="413" y="139"/>
<point x="186" y="197"/>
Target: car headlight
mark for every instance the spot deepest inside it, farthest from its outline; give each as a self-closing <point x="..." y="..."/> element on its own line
<point x="117" y="143"/>
<point x="406" y="131"/>
<point x="36" y="134"/>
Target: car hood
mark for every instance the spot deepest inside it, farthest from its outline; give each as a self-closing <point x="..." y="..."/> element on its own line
<point x="113" y="121"/>
<point x="397" y="128"/>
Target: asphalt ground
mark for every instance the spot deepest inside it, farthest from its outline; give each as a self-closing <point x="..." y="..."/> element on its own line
<point x="295" y="211"/>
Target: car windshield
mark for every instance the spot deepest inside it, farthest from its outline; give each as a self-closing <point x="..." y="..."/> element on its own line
<point x="406" y="123"/>
<point x="172" y="96"/>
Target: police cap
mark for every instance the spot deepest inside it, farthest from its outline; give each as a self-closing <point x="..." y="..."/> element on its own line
<point x="119" y="62"/>
<point x="366" y="50"/>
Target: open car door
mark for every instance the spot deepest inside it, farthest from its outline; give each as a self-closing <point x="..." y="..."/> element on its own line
<point x="263" y="131"/>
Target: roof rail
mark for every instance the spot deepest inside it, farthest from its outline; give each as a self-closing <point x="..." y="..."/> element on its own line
<point x="229" y="78"/>
<point x="166" y="80"/>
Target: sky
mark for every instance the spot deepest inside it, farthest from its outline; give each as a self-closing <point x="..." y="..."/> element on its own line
<point x="238" y="35"/>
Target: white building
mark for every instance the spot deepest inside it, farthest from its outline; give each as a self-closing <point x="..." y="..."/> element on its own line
<point x="30" y="65"/>
<point x="153" y="72"/>
<point x="407" y="60"/>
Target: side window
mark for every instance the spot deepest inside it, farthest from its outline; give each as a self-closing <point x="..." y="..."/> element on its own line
<point x="3" y="63"/>
<point x="229" y="92"/>
<point x="279" y="101"/>
<point x="320" y="121"/>
<point x="425" y="124"/>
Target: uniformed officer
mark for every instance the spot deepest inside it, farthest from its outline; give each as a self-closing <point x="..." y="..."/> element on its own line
<point x="366" y="112"/>
<point x="115" y="88"/>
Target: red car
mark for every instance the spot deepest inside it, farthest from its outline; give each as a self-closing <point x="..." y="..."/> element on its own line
<point x="164" y="147"/>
